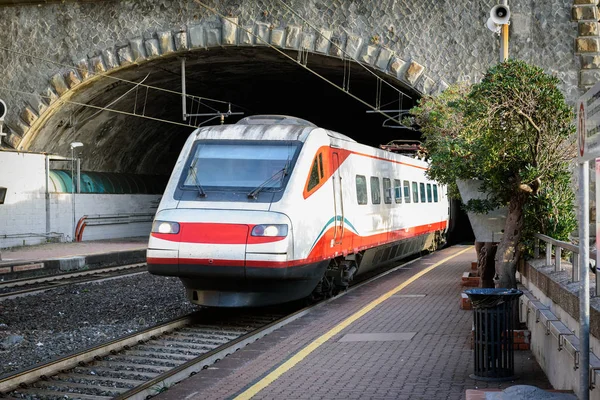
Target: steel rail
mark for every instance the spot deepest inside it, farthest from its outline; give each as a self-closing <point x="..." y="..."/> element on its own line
<point x="191" y="367"/>
<point x="69" y="278"/>
<point x="35" y="373"/>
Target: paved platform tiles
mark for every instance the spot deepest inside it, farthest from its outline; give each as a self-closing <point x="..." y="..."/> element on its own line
<point x="71" y="249"/>
<point x="426" y="353"/>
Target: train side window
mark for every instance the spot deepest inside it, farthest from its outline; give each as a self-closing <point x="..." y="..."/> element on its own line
<point x="422" y="189"/>
<point x="415" y="192"/>
<point x="397" y="191"/>
<point x="435" y="193"/>
<point x="314" y="176"/>
<point x="361" y="189"/>
<point x="375" y="190"/>
<point x="406" y="191"/>
<point x="387" y="191"/>
<point x="429" y="199"/>
<point x="321" y="165"/>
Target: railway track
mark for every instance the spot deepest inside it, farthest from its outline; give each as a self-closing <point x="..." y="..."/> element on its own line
<point x="19" y="287"/>
<point x="148" y="362"/>
<point x="144" y="363"/>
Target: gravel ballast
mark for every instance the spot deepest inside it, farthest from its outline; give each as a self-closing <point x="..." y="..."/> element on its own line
<point x="44" y="326"/>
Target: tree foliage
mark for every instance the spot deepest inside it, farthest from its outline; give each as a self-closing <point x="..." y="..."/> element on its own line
<point x="515" y="133"/>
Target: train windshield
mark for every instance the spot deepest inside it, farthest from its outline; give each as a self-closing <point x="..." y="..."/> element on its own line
<point x="240" y="165"/>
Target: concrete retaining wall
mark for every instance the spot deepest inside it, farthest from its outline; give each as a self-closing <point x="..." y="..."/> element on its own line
<point x="28" y="218"/>
<point x="551" y="310"/>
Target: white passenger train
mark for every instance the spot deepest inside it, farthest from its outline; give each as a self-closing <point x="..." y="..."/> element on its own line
<point x="274" y="209"/>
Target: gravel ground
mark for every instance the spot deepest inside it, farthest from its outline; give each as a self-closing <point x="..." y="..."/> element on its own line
<point x="41" y="327"/>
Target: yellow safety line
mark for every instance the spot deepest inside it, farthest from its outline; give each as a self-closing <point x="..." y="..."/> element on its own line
<point x="302" y="354"/>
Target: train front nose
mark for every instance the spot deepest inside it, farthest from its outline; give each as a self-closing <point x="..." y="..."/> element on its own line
<point x="213" y="250"/>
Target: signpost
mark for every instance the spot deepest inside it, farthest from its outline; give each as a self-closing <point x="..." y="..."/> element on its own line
<point x="588" y="140"/>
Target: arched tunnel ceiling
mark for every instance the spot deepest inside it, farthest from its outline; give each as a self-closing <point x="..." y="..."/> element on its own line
<point x="257" y="80"/>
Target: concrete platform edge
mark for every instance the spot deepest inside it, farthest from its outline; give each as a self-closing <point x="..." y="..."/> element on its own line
<point x="32" y="268"/>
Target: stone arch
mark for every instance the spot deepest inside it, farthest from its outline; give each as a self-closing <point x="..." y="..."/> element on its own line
<point x="587" y="43"/>
<point x="138" y="50"/>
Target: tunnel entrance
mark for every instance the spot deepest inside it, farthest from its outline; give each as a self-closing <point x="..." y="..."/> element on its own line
<point x="256" y="80"/>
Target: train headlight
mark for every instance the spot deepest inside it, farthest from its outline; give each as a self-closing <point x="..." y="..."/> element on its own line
<point x="165" y="227"/>
<point x="270" y="230"/>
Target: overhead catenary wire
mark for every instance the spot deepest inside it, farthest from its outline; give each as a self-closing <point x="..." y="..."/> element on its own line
<point x="339" y="48"/>
<point x="292" y="59"/>
<point x="98" y="107"/>
<point x="106" y="75"/>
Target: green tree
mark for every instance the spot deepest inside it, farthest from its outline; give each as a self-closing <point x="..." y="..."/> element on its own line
<point x="515" y="133"/>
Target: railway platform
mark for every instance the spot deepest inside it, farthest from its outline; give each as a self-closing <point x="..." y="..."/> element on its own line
<point x="401" y="336"/>
<point x="43" y="259"/>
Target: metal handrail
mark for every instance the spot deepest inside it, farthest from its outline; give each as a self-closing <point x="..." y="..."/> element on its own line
<point x="559" y="246"/>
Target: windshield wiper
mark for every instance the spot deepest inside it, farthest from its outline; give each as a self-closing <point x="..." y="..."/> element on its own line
<point x="201" y="192"/>
<point x="282" y="171"/>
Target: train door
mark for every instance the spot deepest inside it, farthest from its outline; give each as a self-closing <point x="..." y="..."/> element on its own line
<point x="338" y="202"/>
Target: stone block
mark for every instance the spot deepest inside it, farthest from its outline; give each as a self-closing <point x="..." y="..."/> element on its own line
<point x="110" y="59"/>
<point x="152" y="47"/>
<point x="137" y="49"/>
<point x="165" y="42"/>
<point x="589" y="61"/>
<point x="277" y="37"/>
<point x="197" y="36"/>
<point x="12" y="139"/>
<point x="442" y="86"/>
<point x="125" y="55"/>
<point x="247" y="37"/>
<point x="589" y="77"/>
<point x="588" y="28"/>
<point x="307" y="41"/>
<point x="83" y="67"/>
<point x="413" y="72"/>
<point x="584" y="13"/>
<point x="17" y="125"/>
<point x="28" y="115"/>
<point x="369" y="54"/>
<point x="292" y="36"/>
<point x="213" y="37"/>
<point x="72" y="78"/>
<point x="97" y="64"/>
<point x="337" y="44"/>
<point x="38" y="104"/>
<point x="587" y="44"/>
<point x="230" y="29"/>
<point x="263" y="33"/>
<point x="48" y="95"/>
<point x="396" y="66"/>
<point x="383" y="59"/>
<point x="58" y="84"/>
<point x="322" y="42"/>
<point x="353" y="46"/>
<point x="181" y="41"/>
<point x="425" y="85"/>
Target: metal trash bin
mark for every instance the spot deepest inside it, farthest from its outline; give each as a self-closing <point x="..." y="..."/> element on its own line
<point x="494" y="330"/>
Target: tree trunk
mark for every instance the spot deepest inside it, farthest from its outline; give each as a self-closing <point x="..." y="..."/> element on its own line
<point x="507" y="254"/>
<point x="485" y="264"/>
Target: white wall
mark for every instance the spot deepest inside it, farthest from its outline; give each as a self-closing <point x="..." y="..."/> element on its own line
<point x="61" y="217"/>
<point x="23" y="215"/>
<point x="24" y="210"/>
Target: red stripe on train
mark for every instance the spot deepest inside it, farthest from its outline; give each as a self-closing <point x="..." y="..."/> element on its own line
<point x="351" y="243"/>
<point x="215" y="233"/>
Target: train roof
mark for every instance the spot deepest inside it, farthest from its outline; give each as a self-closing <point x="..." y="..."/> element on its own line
<point x="266" y="127"/>
<point x="274" y="120"/>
